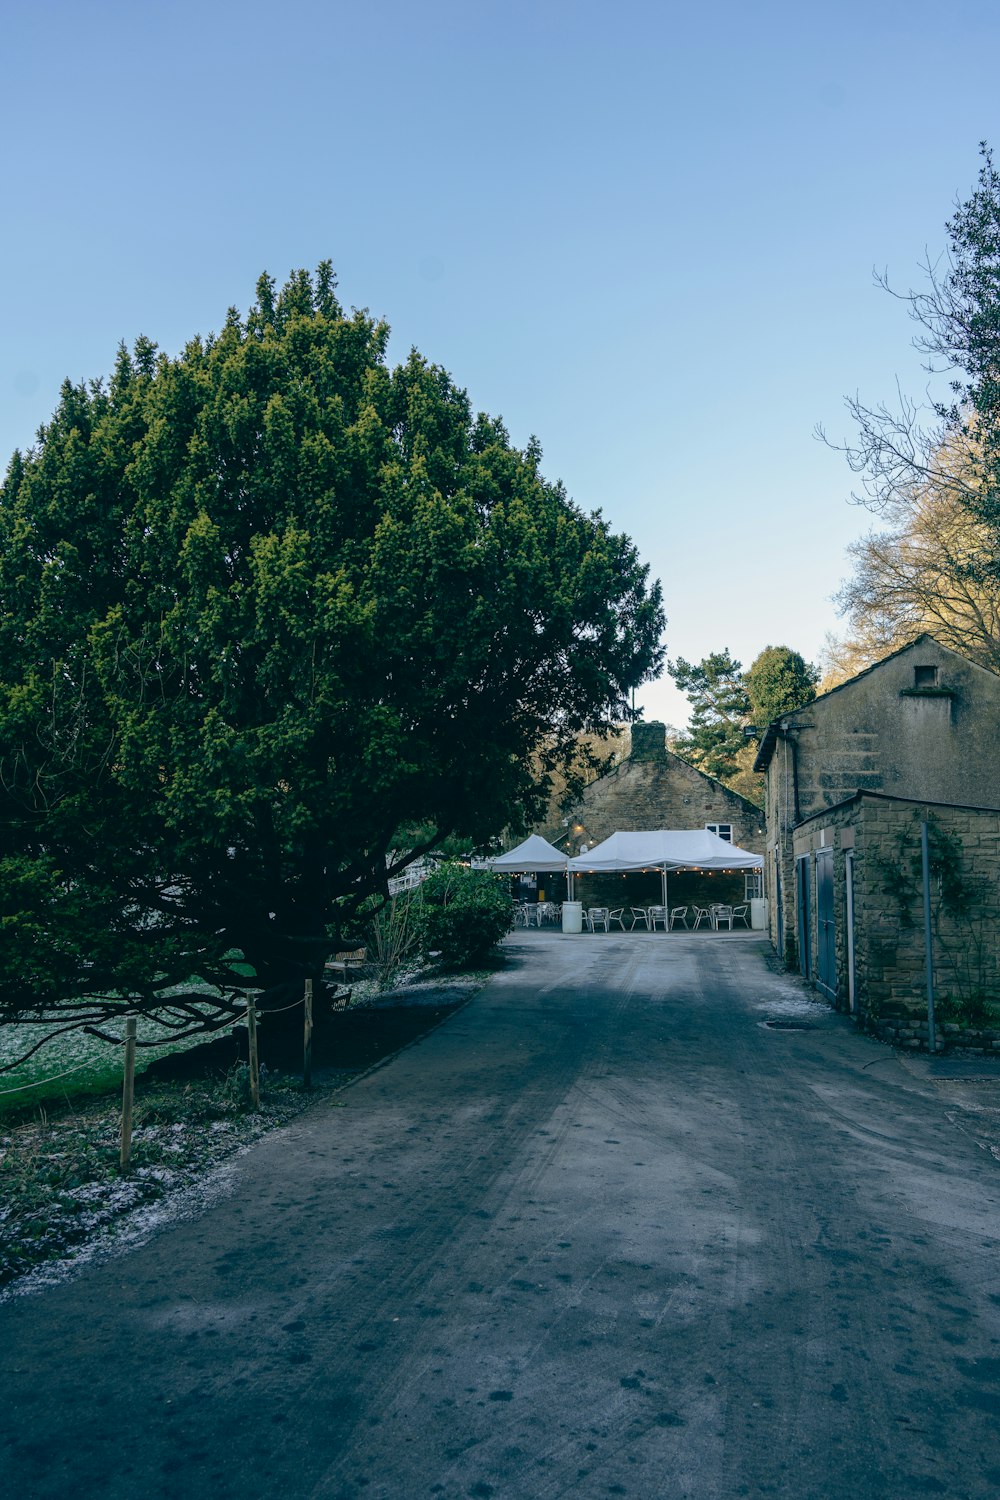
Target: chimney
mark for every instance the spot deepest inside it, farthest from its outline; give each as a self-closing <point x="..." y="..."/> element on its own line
<point x="649" y="742"/>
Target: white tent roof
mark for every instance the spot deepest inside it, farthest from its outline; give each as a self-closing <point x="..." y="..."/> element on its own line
<point x="672" y="848"/>
<point x="534" y="854"/>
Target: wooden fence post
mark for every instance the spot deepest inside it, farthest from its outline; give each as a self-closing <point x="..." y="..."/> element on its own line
<point x="307" y="1040"/>
<point x="128" y="1093"/>
<point x="254" y="1055"/>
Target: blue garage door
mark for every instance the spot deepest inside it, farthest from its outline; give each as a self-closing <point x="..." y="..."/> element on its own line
<point x="826" y="943"/>
<point x="802" y="906"/>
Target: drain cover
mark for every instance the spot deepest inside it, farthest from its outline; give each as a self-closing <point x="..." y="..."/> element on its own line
<point x="790" y="1025"/>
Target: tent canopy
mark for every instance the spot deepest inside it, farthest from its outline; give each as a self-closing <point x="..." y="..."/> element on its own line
<point x="534" y="854"/>
<point x="666" y="848"/>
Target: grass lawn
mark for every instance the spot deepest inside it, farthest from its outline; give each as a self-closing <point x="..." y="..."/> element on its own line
<point x="73" y="1064"/>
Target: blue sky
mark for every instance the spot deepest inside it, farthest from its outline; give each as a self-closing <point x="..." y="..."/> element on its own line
<point x="644" y="233"/>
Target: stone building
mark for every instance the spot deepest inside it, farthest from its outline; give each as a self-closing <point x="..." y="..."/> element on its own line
<point x="922" y="723"/>
<point x="860" y="915"/>
<point x="654" y="788"/>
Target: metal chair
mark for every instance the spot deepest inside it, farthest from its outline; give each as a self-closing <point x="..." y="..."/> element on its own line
<point x="702" y="914"/>
<point x="598" y="916"/>
<point x="742" y="914"/>
<point x="639" y="914"/>
<point x="722" y="914"/>
<point x="658" y="914"/>
<point x="618" y="916"/>
<point x="679" y="914"/>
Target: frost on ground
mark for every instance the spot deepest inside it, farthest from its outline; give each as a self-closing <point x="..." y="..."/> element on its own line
<point x="790" y="999"/>
<point x="64" y="1198"/>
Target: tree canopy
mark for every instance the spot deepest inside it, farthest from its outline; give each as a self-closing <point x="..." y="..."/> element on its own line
<point x="934" y="472"/>
<point x="716" y="689"/>
<point x="779" y="680"/>
<point x="261" y="605"/>
<point x="922" y="572"/>
<point x="728" y="702"/>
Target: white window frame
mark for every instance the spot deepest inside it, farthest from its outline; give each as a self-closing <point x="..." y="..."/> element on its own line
<point x="717" y="829"/>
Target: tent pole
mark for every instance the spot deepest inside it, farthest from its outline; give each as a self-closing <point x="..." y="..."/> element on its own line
<point x="664" y="874"/>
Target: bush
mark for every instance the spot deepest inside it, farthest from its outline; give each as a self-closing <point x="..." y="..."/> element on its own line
<point x="393" y="934"/>
<point x="464" y="914"/>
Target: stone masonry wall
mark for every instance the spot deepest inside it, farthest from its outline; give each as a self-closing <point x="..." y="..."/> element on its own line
<point x="881" y="732"/>
<point x="655" y="789"/>
<point x="890" y="958"/>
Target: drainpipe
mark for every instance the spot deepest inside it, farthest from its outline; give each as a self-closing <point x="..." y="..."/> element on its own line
<point x="785" y="729"/>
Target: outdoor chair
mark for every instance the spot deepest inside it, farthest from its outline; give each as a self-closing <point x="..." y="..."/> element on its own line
<point x="598" y="917"/>
<point x="741" y="914"/>
<point x="702" y="914"/>
<point x="679" y="914"/>
<point x="617" y="916"/>
<point x="722" y="914"/>
<point x="657" y="914"/>
<point x="639" y="914"/>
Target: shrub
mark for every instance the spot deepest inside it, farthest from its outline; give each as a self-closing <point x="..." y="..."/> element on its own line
<point x="393" y="935"/>
<point x="463" y="915"/>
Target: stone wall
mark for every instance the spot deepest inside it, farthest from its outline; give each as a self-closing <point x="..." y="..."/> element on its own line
<point x="883" y="835"/>
<point x="654" y="789"/>
<point x="922" y="724"/>
<point x="650" y="789"/>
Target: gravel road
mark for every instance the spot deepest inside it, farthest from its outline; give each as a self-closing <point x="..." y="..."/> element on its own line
<point x="605" y="1232"/>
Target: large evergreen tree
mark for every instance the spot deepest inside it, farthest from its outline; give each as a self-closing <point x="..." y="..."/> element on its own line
<point x="778" y="681"/>
<point x="716" y="689"/>
<point x="262" y="605"/>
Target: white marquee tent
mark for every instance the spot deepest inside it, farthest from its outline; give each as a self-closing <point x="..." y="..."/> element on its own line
<point x="535" y="853"/>
<point x="664" y="849"/>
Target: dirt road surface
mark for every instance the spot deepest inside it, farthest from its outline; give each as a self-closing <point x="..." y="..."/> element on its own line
<point x="605" y="1232"/>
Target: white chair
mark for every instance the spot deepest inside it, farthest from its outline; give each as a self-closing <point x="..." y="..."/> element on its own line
<point x="679" y="914"/>
<point x="741" y="914"/>
<point x="599" y="918"/>
<point x="618" y="915"/>
<point x="702" y="914"/>
<point x="639" y="914"/>
<point x="658" y="914"/>
<point x="720" y="915"/>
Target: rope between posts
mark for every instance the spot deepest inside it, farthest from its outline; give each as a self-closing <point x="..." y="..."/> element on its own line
<point x="262" y="1015"/>
<point x="40" y="1081"/>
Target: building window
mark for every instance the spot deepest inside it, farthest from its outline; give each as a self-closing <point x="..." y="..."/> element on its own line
<point x="925" y="677"/>
<point x="753" y="885"/>
<point x="723" y="830"/>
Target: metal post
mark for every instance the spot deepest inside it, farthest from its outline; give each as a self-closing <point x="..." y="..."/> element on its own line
<point x="925" y="860"/>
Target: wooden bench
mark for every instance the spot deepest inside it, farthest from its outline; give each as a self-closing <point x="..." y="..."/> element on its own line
<point x="342" y="964"/>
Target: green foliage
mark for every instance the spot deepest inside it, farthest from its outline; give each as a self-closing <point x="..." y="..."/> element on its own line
<point x="464" y="914"/>
<point x="779" y="680"/>
<point x="262" y="604"/>
<point x="716" y="689"/>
